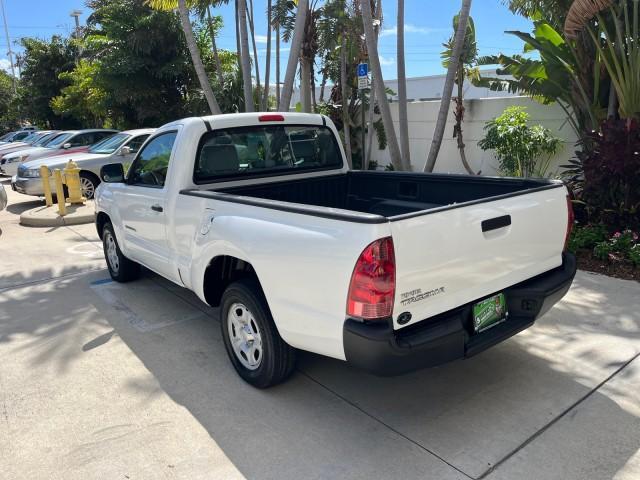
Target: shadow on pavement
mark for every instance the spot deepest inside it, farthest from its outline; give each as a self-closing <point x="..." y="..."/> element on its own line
<point x="330" y="420"/>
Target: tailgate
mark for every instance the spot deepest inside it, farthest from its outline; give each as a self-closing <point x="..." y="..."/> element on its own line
<point x="444" y="259"/>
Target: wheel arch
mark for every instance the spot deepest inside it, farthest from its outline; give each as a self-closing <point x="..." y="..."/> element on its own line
<point x="222" y="271"/>
<point x="101" y="220"/>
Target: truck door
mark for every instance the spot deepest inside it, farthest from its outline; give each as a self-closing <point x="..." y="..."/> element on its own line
<point x="142" y="205"/>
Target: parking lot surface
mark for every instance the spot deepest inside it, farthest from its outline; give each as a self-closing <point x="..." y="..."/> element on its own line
<point x="103" y="380"/>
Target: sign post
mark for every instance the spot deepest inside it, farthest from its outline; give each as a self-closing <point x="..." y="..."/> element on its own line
<point x="363" y="84"/>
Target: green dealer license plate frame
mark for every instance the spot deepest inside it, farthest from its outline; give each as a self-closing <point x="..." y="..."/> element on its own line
<point x="489" y="312"/>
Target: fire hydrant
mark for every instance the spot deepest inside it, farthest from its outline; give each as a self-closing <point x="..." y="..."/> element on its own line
<point x="72" y="179"/>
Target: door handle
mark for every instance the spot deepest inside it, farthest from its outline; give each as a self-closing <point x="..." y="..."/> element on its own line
<point x="157" y="208"/>
<point x="496" y="223"/>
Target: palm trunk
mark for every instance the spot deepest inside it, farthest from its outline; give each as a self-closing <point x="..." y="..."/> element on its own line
<point x="323" y="84"/>
<point x="305" y="84"/>
<point x="376" y="71"/>
<point x="267" y="68"/>
<point x="195" y="58"/>
<point x="255" y="50"/>
<point x="238" y="48"/>
<point x="244" y="55"/>
<point x="214" y="47"/>
<point x="445" y="103"/>
<point x="402" y="90"/>
<point x="278" y="66"/>
<point x="314" y="104"/>
<point x="294" y="55"/>
<point x="346" y="123"/>
<point x="372" y="94"/>
<point x="459" y="114"/>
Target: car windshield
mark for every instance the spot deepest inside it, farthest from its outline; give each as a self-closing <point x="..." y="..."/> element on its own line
<point x="32" y="137"/>
<point x="60" y="140"/>
<point x="43" y="139"/>
<point x="109" y="145"/>
<point x="6" y="137"/>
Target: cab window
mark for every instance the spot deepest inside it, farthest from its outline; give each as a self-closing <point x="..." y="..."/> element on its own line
<point x="150" y="167"/>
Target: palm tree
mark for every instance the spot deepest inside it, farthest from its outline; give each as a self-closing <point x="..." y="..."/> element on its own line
<point x="256" y="64"/>
<point x="448" y="86"/>
<point x="383" y="102"/>
<point x="183" y="12"/>
<point x="467" y="68"/>
<point x="402" y="88"/>
<point x="267" y="68"/>
<point x="244" y="56"/>
<point x="214" y="47"/>
<point x="346" y="119"/>
<point x="372" y="92"/>
<point x="294" y="55"/>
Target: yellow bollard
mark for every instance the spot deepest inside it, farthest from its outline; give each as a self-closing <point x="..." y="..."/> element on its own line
<point x="45" y="174"/>
<point x="72" y="179"/>
<point x="62" y="206"/>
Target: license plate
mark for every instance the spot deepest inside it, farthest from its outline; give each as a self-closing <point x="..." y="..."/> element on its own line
<point x="489" y="312"/>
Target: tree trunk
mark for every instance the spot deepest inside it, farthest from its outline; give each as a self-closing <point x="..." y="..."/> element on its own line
<point x="238" y="47"/>
<point x="402" y="90"/>
<point x="314" y="104"/>
<point x="459" y="115"/>
<point x="267" y="68"/>
<point x="372" y="95"/>
<point x="278" y="67"/>
<point x="255" y="51"/>
<point x="216" y="57"/>
<point x="445" y="103"/>
<point x="376" y="71"/>
<point x="244" y="55"/>
<point x="346" y="123"/>
<point x="195" y="58"/>
<point x="294" y="55"/>
<point x="305" y="84"/>
<point x="323" y="84"/>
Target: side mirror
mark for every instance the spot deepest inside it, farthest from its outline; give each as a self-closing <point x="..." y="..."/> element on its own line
<point x="112" y="173"/>
<point x="66" y="146"/>
<point x="124" y="151"/>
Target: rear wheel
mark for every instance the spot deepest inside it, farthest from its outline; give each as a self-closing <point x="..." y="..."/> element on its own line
<point x="251" y="339"/>
<point x="120" y="267"/>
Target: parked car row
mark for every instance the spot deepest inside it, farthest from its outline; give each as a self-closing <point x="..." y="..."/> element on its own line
<point x="22" y="155"/>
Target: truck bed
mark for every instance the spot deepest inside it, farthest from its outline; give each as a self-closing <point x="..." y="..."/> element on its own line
<point x="390" y="194"/>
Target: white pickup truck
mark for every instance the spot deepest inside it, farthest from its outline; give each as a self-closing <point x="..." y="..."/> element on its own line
<point x="391" y="271"/>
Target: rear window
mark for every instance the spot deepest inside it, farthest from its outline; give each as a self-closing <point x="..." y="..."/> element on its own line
<point x="265" y="150"/>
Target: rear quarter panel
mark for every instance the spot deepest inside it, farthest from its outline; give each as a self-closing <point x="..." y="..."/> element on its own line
<point x="304" y="263"/>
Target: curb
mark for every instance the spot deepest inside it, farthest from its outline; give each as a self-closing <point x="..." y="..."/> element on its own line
<point x="48" y="216"/>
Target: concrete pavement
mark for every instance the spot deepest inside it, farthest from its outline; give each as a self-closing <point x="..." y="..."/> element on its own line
<point x="102" y="380"/>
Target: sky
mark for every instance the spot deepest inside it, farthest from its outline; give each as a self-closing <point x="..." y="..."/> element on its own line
<point x="427" y="26"/>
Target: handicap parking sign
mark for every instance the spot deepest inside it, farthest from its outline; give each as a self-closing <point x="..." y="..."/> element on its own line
<point x="363" y="69"/>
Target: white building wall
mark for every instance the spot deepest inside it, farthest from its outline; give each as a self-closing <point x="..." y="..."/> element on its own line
<point x="422" y="121"/>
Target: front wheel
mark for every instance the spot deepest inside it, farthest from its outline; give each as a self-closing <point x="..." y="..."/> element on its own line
<point x="251" y="338"/>
<point x="120" y="267"/>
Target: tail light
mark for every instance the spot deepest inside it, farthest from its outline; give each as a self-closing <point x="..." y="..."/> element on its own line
<point x="373" y="282"/>
<point x="570" y="220"/>
<point x="271" y="118"/>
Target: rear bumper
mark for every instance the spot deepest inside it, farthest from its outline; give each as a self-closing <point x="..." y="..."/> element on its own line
<point x="379" y="349"/>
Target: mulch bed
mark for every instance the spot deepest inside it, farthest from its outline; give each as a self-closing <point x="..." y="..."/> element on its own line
<point x="621" y="269"/>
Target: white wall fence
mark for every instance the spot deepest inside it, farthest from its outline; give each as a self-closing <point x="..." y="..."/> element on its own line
<point x="422" y="121"/>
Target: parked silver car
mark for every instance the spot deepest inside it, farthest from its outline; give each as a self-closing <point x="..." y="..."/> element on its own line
<point x="119" y="148"/>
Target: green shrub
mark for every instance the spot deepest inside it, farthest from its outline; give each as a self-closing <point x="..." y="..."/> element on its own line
<point x="522" y="150"/>
<point x="621" y="246"/>
<point x="586" y="237"/>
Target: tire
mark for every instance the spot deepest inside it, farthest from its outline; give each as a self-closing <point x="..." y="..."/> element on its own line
<point x="120" y="267"/>
<point x="88" y="184"/>
<point x="244" y="313"/>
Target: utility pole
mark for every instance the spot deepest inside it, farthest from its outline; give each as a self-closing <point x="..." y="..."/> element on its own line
<point x="6" y="32"/>
<point x="76" y="15"/>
